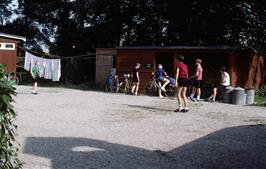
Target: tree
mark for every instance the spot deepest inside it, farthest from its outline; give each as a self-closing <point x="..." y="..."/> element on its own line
<point x="5" y="11"/>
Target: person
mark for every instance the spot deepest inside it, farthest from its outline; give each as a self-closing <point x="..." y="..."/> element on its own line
<point x="225" y="79"/>
<point x="214" y="90"/>
<point x="35" y="74"/>
<point x="197" y="78"/>
<point x="181" y="83"/>
<point x="136" y="79"/>
<point x="161" y="75"/>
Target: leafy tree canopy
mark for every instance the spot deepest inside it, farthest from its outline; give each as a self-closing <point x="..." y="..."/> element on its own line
<point x="66" y="27"/>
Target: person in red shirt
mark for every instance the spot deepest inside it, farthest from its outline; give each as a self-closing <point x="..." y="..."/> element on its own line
<point x="197" y="78"/>
<point x="181" y="83"/>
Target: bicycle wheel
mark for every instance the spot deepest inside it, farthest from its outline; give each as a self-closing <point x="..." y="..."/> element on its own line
<point x="16" y="79"/>
<point x="151" y="90"/>
<point x="127" y="88"/>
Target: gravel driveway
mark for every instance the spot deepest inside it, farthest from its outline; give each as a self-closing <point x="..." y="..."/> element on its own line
<point x="74" y="129"/>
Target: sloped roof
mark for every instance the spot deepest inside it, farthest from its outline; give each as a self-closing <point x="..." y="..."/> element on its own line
<point x="180" y="47"/>
<point x="5" y="35"/>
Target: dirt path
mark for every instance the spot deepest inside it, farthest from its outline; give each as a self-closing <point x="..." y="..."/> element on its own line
<point x="74" y="129"/>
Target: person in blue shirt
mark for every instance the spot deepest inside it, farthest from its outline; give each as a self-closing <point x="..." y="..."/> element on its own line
<point x="161" y="76"/>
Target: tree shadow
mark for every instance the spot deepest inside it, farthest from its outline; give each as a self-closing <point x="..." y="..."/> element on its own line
<point x="236" y="147"/>
<point x="82" y="153"/>
<point x="240" y="147"/>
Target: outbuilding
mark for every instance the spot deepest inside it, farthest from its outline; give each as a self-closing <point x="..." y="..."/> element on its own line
<point x="9" y="50"/>
<point x="246" y="69"/>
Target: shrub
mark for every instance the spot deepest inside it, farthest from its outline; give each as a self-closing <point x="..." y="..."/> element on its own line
<point x="262" y="91"/>
<point x="8" y="150"/>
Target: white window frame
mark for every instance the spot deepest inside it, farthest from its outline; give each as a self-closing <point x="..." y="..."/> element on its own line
<point x="3" y="46"/>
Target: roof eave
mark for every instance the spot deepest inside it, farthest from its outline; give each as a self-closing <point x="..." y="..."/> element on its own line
<point x="13" y="37"/>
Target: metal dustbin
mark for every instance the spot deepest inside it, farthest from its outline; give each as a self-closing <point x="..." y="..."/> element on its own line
<point x="238" y="96"/>
<point x="250" y="96"/>
<point x="227" y="94"/>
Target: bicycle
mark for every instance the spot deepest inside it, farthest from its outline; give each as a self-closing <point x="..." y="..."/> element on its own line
<point x="154" y="86"/>
<point x="112" y="83"/>
<point x="11" y="76"/>
<point x="126" y="83"/>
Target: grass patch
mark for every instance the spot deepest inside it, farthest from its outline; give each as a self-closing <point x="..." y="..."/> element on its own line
<point x="257" y="121"/>
<point x="261" y="101"/>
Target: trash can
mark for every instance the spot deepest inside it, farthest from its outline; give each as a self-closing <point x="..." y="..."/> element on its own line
<point x="250" y="96"/>
<point x="238" y="96"/>
<point x="227" y="94"/>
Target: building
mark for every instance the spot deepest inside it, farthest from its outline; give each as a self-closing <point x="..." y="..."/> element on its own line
<point x="9" y="50"/>
<point x="246" y="69"/>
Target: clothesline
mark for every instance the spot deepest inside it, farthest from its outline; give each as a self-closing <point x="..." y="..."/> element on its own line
<point x="62" y="57"/>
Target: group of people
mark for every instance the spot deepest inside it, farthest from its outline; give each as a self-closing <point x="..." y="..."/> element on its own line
<point x="182" y="82"/>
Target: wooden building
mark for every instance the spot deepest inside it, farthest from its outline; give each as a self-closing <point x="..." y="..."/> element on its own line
<point x="246" y="69"/>
<point x="8" y="50"/>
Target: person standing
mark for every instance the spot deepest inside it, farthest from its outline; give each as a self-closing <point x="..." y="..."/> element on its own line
<point x="35" y="74"/>
<point x="181" y="84"/>
<point x="197" y="78"/>
<point x="136" y="79"/>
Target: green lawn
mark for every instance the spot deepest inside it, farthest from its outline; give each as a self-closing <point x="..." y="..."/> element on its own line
<point x="260" y="100"/>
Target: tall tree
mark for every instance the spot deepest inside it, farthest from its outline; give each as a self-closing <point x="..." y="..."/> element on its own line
<point x="5" y="11"/>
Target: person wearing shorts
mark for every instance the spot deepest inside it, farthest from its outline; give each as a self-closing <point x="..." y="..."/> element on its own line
<point x="181" y="83"/>
<point x="136" y="79"/>
<point x="197" y="78"/>
<point x="35" y="75"/>
<point x="161" y="76"/>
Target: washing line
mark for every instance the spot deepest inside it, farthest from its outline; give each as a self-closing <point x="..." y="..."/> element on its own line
<point x="84" y="56"/>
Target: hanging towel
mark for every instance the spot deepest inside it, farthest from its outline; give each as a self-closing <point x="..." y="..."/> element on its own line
<point x="27" y="62"/>
<point x="41" y="66"/>
<point x="48" y="69"/>
<point x="33" y="60"/>
<point x="56" y="69"/>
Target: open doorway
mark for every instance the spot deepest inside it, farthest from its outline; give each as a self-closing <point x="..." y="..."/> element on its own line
<point x="167" y="60"/>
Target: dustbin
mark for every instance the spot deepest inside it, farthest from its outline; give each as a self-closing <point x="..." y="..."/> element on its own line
<point x="227" y="94"/>
<point x="238" y="96"/>
<point x="250" y="96"/>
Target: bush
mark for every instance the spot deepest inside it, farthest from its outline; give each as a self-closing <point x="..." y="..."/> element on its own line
<point x="8" y="150"/>
<point x="262" y="91"/>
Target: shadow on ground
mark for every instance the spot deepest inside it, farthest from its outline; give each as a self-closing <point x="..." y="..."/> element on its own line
<point x="150" y="108"/>
<point x="238" y="147"/>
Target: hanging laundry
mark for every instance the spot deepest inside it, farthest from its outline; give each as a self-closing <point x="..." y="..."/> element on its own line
<point x="27" y="62"/>
<point x="41" y="66"/>
<point x="56" y="69"/>
<point x="49" y="68"/>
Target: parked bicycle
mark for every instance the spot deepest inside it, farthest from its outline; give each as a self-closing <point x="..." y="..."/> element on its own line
<point x="125" y="85"/>
<point x="154" y="86"/>
<point x="11" y="76"/>
<point x="112" y="83"/>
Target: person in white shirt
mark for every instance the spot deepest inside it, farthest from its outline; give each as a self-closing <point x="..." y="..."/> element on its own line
<point x="225" y="80"/>
<point x="225" y="77"/>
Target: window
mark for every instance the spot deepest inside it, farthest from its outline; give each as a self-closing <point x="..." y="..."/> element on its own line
<point x="7" y="46"/>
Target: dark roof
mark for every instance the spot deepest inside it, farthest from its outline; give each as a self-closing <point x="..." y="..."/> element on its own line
<point x="179" y="48"/>
<point x="5" y="35"/>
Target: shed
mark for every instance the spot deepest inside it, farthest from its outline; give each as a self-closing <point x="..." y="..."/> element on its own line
<point x="246" y="69"/>
<point x="8" y="50"/>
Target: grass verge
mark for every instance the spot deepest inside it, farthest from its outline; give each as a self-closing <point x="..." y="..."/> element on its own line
<point x="261" y="101"/>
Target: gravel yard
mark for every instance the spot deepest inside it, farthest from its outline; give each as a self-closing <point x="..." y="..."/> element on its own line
<point x="75" y="129"/>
